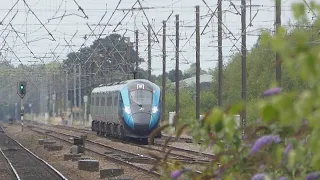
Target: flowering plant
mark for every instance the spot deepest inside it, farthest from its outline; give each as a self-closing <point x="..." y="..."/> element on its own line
<point x="284" y="142"/>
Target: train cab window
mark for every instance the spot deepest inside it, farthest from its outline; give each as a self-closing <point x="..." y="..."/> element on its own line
<point x="142" y="97"/>
<point x="103" y="101"/>
<point x="115" y="100"/>
<point x="97" y="101"/>
<point x="109" y="101"/>
<point x="92" y="100"/>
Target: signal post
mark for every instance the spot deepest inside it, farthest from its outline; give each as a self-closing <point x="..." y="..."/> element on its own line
<point x="22" y="87"/>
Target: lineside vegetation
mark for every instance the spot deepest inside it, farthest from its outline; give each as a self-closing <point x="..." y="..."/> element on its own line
<point x="282" y="140"/>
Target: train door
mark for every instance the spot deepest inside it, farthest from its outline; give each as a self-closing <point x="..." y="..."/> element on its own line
<point x="96" y="107"/>
<point x="105" y="110"/>
<point x="120" y="105"/>
<point x="109" y="108"/>
<point x="102" y="105"/>
<point x="92" y="106"/>
<point x="115" y="105"/>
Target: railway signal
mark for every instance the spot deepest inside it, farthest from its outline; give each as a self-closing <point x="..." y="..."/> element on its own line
<point x="22" y="90"/>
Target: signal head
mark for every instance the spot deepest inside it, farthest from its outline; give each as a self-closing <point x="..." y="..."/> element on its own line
<point x="22" y="88"/>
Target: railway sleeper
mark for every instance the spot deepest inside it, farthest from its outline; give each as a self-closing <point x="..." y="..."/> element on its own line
<point x="88" y="165"/>
<point x="68" y="157"/>
<point x="142" y="160"/>
<point x="106" y="173"/>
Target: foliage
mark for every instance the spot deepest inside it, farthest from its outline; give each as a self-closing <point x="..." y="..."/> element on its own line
<point x="284" y="144"/>
<point x="105" y="56"/>
<point x="172" y="75"/>
<point x="191" y="71"/>
<point x="260" y="73"/>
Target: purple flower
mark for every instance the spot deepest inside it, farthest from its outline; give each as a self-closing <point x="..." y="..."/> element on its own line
<point x="263" y="141"/>
<point x="283" y="178"/>
<point x="272" y="91"/>
<point x="313" y="176"/>
<point x="287" y="149"/>
<point x="175" y="174"/>
<point x="258" y="177"/>
<point x="304" y="122"/>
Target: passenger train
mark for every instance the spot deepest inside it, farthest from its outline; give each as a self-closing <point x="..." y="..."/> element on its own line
<point x="127" y="109"/>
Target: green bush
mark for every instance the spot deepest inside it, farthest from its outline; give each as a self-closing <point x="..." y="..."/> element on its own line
<point x="285" y="144"/>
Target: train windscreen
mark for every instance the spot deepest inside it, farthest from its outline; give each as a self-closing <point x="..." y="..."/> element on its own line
<point x="141" y="97"/>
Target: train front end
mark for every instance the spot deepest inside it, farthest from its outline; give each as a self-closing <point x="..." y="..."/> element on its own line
<point x="140" y="108"/>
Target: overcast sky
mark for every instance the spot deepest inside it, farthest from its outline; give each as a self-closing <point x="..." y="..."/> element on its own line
<point x="35" y="37"/>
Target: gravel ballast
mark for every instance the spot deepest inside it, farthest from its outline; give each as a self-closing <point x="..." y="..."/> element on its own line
<point x="69" y="169"/>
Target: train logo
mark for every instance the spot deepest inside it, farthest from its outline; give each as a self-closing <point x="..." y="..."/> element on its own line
<point x="140" y="86"/>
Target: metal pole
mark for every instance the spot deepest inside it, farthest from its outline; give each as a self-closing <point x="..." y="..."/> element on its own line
<point x="54" y="104"/>
<point x="243" y="62"/>
<point x="74" y="86"/>
<point x="197" y="62"/>
<point x="54" y="95"/>
<point x="85" y="113"/>
<point x="220" y="52"/>
<point x="128" y="58"/>
<point x="92" y="75"/>
<point x="79" y="90"/>
<point x="278" y="24"/>
<point x="163" y="100"/>
<point x="177" y="67"/>
<point x="22" y="114"/>
<point x="149" y="52"/>
<point x="66" y="100"/>
<point x="137" y="55"/>
<point x="61" y="92"/>
<point x="48" y="89"/>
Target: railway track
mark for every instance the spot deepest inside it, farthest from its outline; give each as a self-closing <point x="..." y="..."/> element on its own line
<point x="187" y="151"/>
<point x="23" y="163"/>
<point x="115" y="157"/>
<point x="182" y="139"/>
<point x="189" y="156"/>
<point x="133" y="157"/>
<point x="164" y="136"/>
<point x="182" y="155"/>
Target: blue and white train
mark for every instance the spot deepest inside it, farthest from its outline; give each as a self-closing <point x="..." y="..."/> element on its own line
<point x="127" y="109"/>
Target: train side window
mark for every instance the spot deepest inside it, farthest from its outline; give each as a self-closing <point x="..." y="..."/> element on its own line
<point x="115" y="102"/>
<point x="109" y="100"/>
<point x="97" y="101"/>
<point x="103" y="101"/>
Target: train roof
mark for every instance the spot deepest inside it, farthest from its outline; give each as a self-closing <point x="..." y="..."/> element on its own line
<point x="116" y="86"/>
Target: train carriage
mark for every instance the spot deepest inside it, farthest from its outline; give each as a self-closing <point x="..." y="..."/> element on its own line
<point x="126" y="109"/>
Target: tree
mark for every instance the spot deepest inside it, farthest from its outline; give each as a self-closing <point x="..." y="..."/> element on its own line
<point x="191" y="71"/>
<point x="172" y="75"/>
<point x="104" y="57"/>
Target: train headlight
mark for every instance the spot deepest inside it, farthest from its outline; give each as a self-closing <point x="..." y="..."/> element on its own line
<point x="127" y="109"/>
<point x="154" y="109"/>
